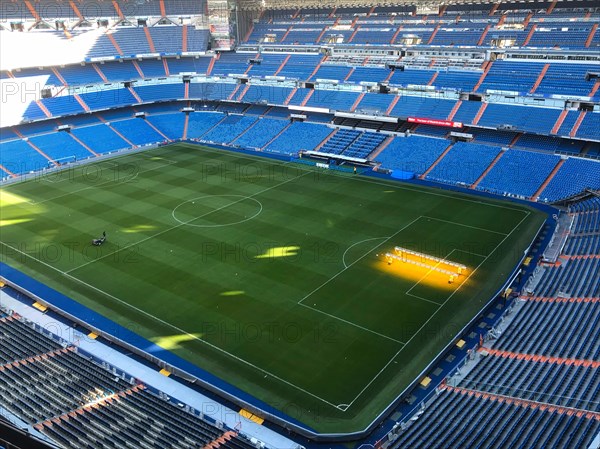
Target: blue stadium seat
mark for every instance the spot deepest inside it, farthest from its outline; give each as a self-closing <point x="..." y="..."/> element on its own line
<point x="573" y="177"/>
<point x="137" y="131"/>
<point x="169" y="124"/>
<point x="463" y="164"/>
<point x="261" y="133"/>
<point x="299" y="136"/>
<point x="513" y="175"/>
<point x="412" y="154"/>
<point x="100" y="138"/>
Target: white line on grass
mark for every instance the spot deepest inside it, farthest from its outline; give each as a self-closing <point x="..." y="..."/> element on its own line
<point x="66" y="169"/>
<point x="408" y="292"/>
<point x="422" y="189"/>
<point x="441" y="306"/>
<point x="358" y="243"/>
<point x="375" y="378"/>
<point x="469" y="252"/>
<point x="183" y="332"/>
<point x="385" y="239"/>
<point x="256" y="214"/>
<point x="184" y="223"/>
<point x="35" y="203"/>
<point x="423" y="299"/>
<point x="428" y="273"/>
<point x="464" y="225"/>
<point x="352" y="324"/>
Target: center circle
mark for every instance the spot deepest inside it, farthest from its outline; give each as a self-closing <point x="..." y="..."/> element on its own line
<point x="213" y="211"/>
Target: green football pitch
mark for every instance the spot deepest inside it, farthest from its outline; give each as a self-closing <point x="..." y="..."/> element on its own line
<point x="270" y="275"/>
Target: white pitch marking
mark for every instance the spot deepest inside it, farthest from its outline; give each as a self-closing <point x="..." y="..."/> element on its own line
<point x="429" y="272"/>
<point x="183" y="332"/>
<point x="358" y="243"/>
<point x="464" y="225"/>
<point x="358" y="260"/>
<point x="385" y="239"/>
<point x="441" y="307"/>
<point x="352" y="324"/>
<point x="260" y="209"/>
<point x="184" y="223"/>
<point x="35" y="203"/>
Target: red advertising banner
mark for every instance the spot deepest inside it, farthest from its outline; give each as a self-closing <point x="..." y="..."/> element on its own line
<point x="434" y="122"/>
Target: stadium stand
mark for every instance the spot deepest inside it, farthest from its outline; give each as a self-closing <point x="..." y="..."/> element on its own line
<point x="261" y="133"/>
<point x="512" y="174"/>
<point x="298" y="136"/>
<point x="169" y="124"/>
<point x="549" y="399"/>
<point x="101" y="137"/>
<point x="463" y="164"/>
<point x="576" y="175"/>
<point x="200" y="123"/>
<point x="137" y="131"/>
<point x="490" y="413"/>
<point x="61" y="392"/>
<point x="519" y="83"/>
<point x="412" y="154"/>
<point x="227" y="130"/>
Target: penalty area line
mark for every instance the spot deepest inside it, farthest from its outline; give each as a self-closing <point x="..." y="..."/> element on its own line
<point x="385" y="239"/>
<point x="408" y="292"/>
<point x="178" y="329"/>
<point x="441" y="307"/>
<point x="352" y="324"/>
<point x="103" y="183"/>
<point x="431" y="270"/>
